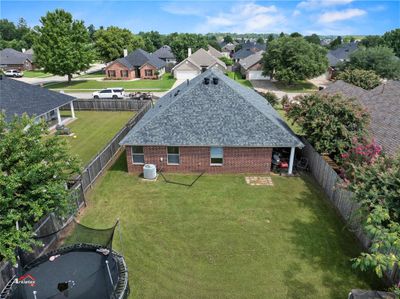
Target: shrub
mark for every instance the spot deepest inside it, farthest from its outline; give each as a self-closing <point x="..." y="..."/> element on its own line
<point x="228" y="61"/>
<point x="272" y="98"/>
<point x="361" y="78"/>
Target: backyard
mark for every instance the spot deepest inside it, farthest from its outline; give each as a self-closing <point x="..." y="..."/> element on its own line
<point x="93" y="130"/>
<point x="223" y="238"/>
<point x="163" y="84"/>
<point x="238" y="77"/>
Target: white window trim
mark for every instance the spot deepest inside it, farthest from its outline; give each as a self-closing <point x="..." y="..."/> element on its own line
<point x="132" y="154"/>
<point x="217" y="164"/>
<point x="179" y="155"/>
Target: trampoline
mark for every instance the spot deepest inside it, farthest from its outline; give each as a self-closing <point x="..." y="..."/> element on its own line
<point x="80" y="270"/>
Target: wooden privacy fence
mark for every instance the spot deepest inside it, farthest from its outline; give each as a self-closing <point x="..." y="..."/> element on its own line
<point x="89" y="175"/>
<point x="107" y="105"/>
<point x="341" y="199"/>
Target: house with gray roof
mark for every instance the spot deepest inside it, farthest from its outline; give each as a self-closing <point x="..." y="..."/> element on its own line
<point x="247" y="49"/>
<point x="211" y="123"/>
<point x="17" y="98"/>
<point x="165" y="53"/>
<point x="196" y="63"/>
<point x="214" y="52"/>
<point x="383" y="104"/>
<point x="251" y="67"/>
<point x="340" y="55"/>
<point x="13" y="59"/>
<point x="138" y="64"/>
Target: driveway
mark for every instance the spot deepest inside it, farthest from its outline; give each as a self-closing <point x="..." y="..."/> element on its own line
<point x="266" y="85"/>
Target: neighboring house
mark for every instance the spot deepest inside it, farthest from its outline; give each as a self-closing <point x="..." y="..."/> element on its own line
<point x="227" y="49"/>
<point x="248" y="48"/>
<point x="138" y="64"/>
<point x="383" y="104"/>
<point x="196" y="63"/>
<point x="17" y="98"/>
<point x="211" y="123"/>
<point x="251" y="67"/>
<point x="13" y="59"/>
<point x="29" y="54"/>
<point x="165" y="54"/>
<point x="339" y="55"/>
<point x="214" y="52"/>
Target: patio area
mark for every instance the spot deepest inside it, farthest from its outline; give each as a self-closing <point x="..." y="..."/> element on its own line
<point x="224" y="238"/>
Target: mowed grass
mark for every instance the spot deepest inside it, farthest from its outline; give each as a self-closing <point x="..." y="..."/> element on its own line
<point x="238" y="77"/>
<point x="222" y="238"/>
<point x="97" y="74"/>
<point x="93" y="130"/>
<point x="165" y="83"/>
<point x="36" y="74"/>
<point x="302" y="86"/>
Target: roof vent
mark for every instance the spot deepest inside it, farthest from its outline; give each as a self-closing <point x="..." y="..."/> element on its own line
<point x="206" y="81"/>
<point x="215" y="80"/>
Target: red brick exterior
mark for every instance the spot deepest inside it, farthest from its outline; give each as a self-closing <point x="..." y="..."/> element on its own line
<point x="118" y="67"/>
<point x="197" y="159"/>
<point x="148" y="67"/>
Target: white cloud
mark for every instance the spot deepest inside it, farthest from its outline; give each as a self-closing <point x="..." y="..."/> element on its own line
<point x="296" y="12"/>
<point x="249" y="17"/>
<point x="334" y="16"/>
<point x="313" y="4"/>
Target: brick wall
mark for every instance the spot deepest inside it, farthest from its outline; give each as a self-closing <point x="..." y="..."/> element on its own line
<point x="148" y="67"/>
<point x="117" y="67"/>
<point x="197" y="159"/>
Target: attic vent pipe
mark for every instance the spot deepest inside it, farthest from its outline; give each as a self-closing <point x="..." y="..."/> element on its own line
<point x="206" y="81"/>
<point x="215" y="80"/>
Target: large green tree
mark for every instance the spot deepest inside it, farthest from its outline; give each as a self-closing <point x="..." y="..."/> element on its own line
<point x="330" y="123"/>
<point x="381" y="60"/>
<point x="392" y="40"/>
<point x="291" y="59"/>
<point x="181" y="42"/>
<point x="153" y="40"/>
<point x="111" y="42"/>
<point x="8" y="31"/>
<point x="63" y="45"/>
<point x="372" y="41"/>
<point x="361" y="78"/>
<point x="34" y="169"/>
<point x="228" y="39"/>
<point x="313" y="38"/>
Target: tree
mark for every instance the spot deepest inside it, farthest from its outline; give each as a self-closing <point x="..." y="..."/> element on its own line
<point x="34" y="169"/>
<point x="313" y="38"/>
<point x="228" y="39"/>
<point x="8" y="31"/>
<point x="361" y="78"/>
<point x="214" y="44"/>
<point x="228" y="61"/>
<point x="92" y="31"/>
<point x="63" y="45"/>
<point x="260" y="40"/>
<point x="22" y="29"/>
<point x="330" y="123"/>
<point x="381" y="60"/>
<point x="183" y="41"/>
<point x="281" y="34"/>
<point x="392" y="40"/>
<point x="153" y="40"/>
<point x="291" y="59"/>
<point x="272" y="98"/>
<point x="336" y="42"/>
<point x="372" y="41"/>
<point x="270" y="38"/>
<point x="295" y="34"/>
<point x="111" y="42"/>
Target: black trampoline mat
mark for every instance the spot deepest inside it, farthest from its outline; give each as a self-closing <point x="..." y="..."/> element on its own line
<point x="85" y="271"/>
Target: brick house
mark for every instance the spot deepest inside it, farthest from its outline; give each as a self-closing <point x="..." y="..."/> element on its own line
<point x="138" y="64"/>
<point x="213" y="124"/>
<point x="13" y="59"/>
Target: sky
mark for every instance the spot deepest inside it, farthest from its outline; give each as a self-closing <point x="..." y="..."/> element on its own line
<point x="325" y="17"/>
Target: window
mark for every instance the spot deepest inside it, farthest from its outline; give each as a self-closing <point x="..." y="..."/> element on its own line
<point x="106" y="91"/>
<point x="124" y="74"/>
<point x="173" y="155"/>
<point x="217" y="155"/>
<point x="137" y="155"/>
<point x="148" y="73"/>
<point x="111" y="73"/>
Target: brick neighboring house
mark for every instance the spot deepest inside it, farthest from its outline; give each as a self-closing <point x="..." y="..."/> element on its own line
<point x="13" y="59"/>
<point x="138" y="64"/>
<point x="213" y="124"/>
<point x="251" y="67"/>
<point x="383" y="104"/>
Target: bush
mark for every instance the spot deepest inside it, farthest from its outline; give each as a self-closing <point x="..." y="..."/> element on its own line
<point x="228" y="61"/>
<point x="285" y="102"/>
<point x="271" y="98"/>
<point x="361" y="78"/>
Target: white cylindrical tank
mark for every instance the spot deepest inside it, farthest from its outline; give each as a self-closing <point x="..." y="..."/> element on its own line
<point x="149" y="171"/>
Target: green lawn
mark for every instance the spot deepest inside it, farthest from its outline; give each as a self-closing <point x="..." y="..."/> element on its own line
<point x="163" y="84"/>
<point x="93" y="130"/>
<point x="98" y="74"/>
<point x="238" y="77"/>
<point x="36" y="74"/>
<point x="303" y="86"/>
<point x="223" y="238"/>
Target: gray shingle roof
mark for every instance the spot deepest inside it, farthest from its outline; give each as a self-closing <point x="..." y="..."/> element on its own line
<point x="214" y="52"/>
<point x="17" y="97"/>
<point x="251" y="60"/>
<point x="342" y="53"/>
<point x="11" y="56"/>
<point x="245" y="52"/>
<point x="201" y="58"/>
<point x="164" y="52"/>
<point x="139" y="57"/>
<point x="383" y="104"/>
<point x="226" y="114"/>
